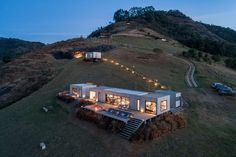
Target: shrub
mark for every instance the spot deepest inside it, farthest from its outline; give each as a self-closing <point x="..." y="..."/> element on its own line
<point x="191" y="53"/>
<point x="102" y="122"/>
<point x="231" y="63"/>
<point x="157" y="50"/>
<point x="6" y="59"/>
<point x="200" y="54"/>
<point x="160" y="126"/>
<point x="216" y="58"/>
<point x="84" y="103"/>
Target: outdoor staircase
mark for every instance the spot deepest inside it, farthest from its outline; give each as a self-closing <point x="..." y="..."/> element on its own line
<point x="130" y="128"/>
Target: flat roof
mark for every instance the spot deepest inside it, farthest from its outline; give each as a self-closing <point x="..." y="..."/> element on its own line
<point x="126" y="91"/>
<point x="166" y="91"/>
<point x="131" y="92"/>
<point x="84" y="85"/>
<point x="93" y="52"/>
<point x="156" y="95"/>
<point x="100" y="88"/>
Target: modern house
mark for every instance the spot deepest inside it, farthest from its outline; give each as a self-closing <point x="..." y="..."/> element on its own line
<point x="154" y="103"/>
<point x="93" y="56"/>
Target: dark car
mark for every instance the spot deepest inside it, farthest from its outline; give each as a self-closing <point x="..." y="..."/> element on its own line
<point x="215" y="85"/>
<point x="220" y="86"/>
<point x="226" y="91"/>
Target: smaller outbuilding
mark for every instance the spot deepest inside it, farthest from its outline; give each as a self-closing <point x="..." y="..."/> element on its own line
<point x="92" y="56"/>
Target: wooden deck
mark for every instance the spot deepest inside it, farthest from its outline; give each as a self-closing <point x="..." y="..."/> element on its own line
<point x="136" y="114"/>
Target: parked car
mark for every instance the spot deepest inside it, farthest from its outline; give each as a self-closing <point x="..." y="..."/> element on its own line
<point x="220" y="86"/>
<point x="227" y="91"/>
<point x="215" y="85"/>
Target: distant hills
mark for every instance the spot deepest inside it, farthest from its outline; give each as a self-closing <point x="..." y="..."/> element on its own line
<point x="173" y="23"/>
<point x="11" y="48"/>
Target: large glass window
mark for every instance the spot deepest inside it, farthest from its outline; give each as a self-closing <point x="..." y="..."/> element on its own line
<point x="117" y="100"/>
<point x="151" y="107"/>
<point x="76" y="91"/>
<point x="163" y="105"/>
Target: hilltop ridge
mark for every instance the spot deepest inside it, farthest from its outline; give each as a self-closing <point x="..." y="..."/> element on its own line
<point x="174" y="24"/>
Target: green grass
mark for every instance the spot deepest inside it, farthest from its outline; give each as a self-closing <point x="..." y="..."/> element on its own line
<point x="147" y="44"/>
<point x="210" y="131"/>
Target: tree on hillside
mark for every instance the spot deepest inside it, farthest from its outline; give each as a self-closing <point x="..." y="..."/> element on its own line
<point x="148" y="9"/>
<point x="121" y="15"/>
<point x="135" y="11"/>
<point x="231" y="63"/>
<point x="139" y="11"/>
<point x="215" y="58"/>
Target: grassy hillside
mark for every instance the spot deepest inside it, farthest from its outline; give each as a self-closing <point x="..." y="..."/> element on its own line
<point x="11" y="48"/>
<point x="174" y="24"/>
<point x="210" y="118"/>
<point x="31" y="71"/>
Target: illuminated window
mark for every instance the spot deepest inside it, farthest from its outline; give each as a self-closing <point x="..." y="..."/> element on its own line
<point x="117" y="100"/>
<point x="76" y="92"/>
<point x="138" y="105"/>
<point x="92" y="95"/>
<point x="163" y="105"/>
<point x="150" y="107"/>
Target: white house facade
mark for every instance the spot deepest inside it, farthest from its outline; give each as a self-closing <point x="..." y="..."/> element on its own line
<point x="155" y="103"/>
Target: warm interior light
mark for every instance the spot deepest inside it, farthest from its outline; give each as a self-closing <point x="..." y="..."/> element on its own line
<point x="163" y="87"/>
<point x="112" y="61"/>
<point x="132" y="72"/>
<point x="127" y="68"/>
<point x="116" y="63"/>
<point x="144" y="78"/>
<point x="149" y="80"/>
<point x="156" y="84"/>
<point x="142" y="110"/>
<point x="78" y="54"/>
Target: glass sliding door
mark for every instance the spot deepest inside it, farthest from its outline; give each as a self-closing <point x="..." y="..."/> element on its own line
<point x="117" y="100"/>
<point x="92" y="95"/>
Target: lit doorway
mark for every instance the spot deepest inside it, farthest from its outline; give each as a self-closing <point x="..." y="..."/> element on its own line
<point x="92" y="95"/>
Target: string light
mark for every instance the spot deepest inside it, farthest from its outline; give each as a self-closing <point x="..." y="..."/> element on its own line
<point x="154" y="81"/>
<point x="150" y="81"/>
<point x="163" y="87"/>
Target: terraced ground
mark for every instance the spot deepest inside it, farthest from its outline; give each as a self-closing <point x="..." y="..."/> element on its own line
<point x="211" y="119"/>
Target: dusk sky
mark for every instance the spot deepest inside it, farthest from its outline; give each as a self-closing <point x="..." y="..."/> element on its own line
<point x="53" y="20"/>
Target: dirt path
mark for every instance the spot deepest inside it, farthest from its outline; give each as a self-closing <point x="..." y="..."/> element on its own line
<point x="189" y="77"/>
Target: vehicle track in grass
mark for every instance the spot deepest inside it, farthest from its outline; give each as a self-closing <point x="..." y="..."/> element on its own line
<point x="189" y="76"/>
